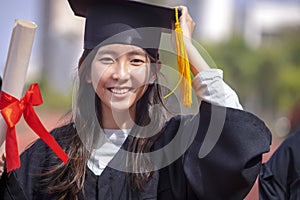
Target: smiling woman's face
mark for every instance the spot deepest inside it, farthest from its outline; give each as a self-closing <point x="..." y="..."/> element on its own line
<point x="120" y="75"/>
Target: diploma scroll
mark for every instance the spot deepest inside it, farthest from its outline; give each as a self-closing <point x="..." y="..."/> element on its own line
<point x="17" y="63"/>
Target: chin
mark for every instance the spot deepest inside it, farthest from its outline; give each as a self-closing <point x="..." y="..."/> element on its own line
<point x="120" y="107"/>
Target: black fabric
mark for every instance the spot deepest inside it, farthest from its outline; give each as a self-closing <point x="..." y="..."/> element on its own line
<point x="12" y="190"/>
<point x="124" y="22"/>
<point x="280" y="176"/>
<point x="227" y="172"/>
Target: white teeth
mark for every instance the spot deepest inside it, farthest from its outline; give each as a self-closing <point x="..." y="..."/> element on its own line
<point x="119" y="91"/>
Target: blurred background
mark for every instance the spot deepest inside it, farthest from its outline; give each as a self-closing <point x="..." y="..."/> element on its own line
<point x="255" y="42"/>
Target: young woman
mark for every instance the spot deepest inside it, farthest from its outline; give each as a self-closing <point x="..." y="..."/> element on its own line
<point x="120" y="143"/>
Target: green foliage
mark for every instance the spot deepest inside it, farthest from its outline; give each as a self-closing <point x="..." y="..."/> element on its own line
<point x="269" y="74"/>
<point x="52" y="99"/>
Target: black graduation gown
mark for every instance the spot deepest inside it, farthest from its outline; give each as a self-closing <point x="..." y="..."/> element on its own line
<point x="228" y="171"/>
<point x="280" y="176"/>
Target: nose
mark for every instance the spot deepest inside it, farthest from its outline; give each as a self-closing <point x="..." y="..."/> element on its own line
<point x="121" y="71"/>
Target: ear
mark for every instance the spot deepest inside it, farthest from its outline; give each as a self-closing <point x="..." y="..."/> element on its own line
<point x="158" y="66"/>
<point x="157" y="70"/>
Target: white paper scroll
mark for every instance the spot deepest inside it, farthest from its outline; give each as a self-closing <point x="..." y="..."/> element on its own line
<point x="17" y="63"/>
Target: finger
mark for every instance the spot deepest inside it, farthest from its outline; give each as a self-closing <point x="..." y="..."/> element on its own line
<point x="184" y="12"/>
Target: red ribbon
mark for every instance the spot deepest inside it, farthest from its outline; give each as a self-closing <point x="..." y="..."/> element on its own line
<point x="12" y="110"/>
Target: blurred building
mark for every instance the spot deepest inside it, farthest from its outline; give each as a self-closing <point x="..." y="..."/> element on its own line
<point x="214" y="18"/>
<point x="266" y="19"/>
<point x="255" y="20"/>
<point x="62" y="43"/>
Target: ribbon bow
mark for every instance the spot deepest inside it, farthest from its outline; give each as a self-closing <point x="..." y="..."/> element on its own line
<point x="12" y="110"/>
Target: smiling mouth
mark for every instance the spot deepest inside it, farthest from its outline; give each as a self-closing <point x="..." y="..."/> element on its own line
<point x="119" y="90"/>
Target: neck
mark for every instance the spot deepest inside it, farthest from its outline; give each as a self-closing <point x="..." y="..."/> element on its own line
<point x="116" y="119"/>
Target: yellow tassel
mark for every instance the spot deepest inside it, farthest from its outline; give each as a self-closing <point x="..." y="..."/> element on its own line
<point x="185" y="80"/>
<point x="183" y="64"/>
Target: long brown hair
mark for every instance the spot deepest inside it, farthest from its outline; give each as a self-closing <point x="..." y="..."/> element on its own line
<point x="68" y="180"/>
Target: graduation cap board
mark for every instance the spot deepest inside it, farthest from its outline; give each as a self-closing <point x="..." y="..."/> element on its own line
<point x="134" y="23"/>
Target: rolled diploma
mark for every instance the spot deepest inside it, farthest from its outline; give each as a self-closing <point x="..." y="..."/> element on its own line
<point x="17" y="64"/>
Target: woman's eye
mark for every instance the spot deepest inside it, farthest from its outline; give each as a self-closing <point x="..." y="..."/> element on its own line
<point x="106" y="60"/>
<point x="137" y="62"/>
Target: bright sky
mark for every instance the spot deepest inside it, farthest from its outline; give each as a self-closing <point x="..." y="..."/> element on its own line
<point x="11" y="10"/>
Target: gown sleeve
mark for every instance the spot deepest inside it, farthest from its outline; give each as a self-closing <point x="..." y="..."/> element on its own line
<point x="26" y="182"/>
<point x="18" y="184"/>
<point x="279" y="177"/>
<point x="224" y="163"/>
<point x="210" y="87"/>
<point x="221" y="146"/>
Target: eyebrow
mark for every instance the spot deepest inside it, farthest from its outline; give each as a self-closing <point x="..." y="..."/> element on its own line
<point x="136" y="52"/>
<point x="130" y="53"/>
<point x="106" y="51"/>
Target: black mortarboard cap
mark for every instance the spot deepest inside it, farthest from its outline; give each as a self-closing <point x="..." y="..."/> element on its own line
<point x="123" y="21"/>
<point x="134" y="23"/>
